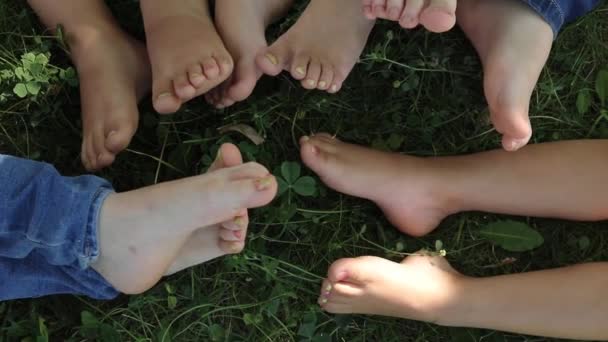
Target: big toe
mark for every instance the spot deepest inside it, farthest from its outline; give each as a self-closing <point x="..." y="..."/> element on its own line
<point x="228" y="155"/>
<point x="318" y="152"/>
<point x="245" y="78"/>
<point x="439" y="16"/>
<point x="164" y="100"/>
<point x="272" y="60"/>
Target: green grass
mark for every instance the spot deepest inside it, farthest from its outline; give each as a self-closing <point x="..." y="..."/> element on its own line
<point x="268" y="293"/>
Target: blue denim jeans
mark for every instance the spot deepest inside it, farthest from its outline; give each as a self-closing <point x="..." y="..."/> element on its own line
<point x="48" y="231"/>
<point x="560" y="12"/>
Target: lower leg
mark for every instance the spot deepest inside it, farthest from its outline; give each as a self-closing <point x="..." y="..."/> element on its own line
<point x="567" y="302"/>
<point x="113" y="70"/>
<point x="562" y="180"/>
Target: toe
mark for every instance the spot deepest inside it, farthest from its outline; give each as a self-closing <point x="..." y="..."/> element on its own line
<point x="317" y="153"/>
<point x="275" y="58"/>
<point x="439" y="16"/>
<point x="165" y="101"/>
<point x="327" y="77"/>
<point x="211" y="68"/>
<point x="225" y="64"/>
<point x="228" y="235"/>
<point x="341" y="270"/>
<point x="394" y="9"/>
<point x="312" y="76"/>
<point x="102" y="156"/>
<point x="245" y="79"/>
<point x="379" y="8"/>
<point x="183" y="88"/>
<point x="411" y="13"/>
<point x="196" y="76"/>
<point x="231" y="247"/>
<point x="353" y="271"/>
<point x="299" y="67"/>
<point x="239" y="223"/>
<point x="368" y="9"/>
<point x="228" y="155"/>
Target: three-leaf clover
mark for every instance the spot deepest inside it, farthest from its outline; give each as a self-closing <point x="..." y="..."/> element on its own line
<point x="290" y="180"/>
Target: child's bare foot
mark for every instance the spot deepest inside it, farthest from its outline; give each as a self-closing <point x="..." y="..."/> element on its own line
<point x="434" y="15"/>
<point x="322" y="47"/>
<point x="142" y="232"/>
<point x="225" y="238"/>
<point x="114" y="74"/>
<point x="424" y="288"/>
<point x="404" y="187"/>
<point x="242" y="25"/>
<point x="513" y="43"/>
<point x="187" y="55"/>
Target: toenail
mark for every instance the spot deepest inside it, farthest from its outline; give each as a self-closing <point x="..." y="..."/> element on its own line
<point x="326" y="294"/>
<point x="218" y="157"/>
<point x="322" y="84"/>
<point x="239" y="221"/>
<point x="111" y="133"/>
<point x="334" y="88"/>
<point x="311" y="83"/>
<point x="263" y="183"/>
<point x="305" y="138"/>
<point x="272" y="58"/>
<point x="328" y="287"/>
<point x="238" y="234"/>
<point x="300" y="71"/>
<point x="324" y="300"/>
<point x="235" y="248"/>
<point x="163" y="95"/>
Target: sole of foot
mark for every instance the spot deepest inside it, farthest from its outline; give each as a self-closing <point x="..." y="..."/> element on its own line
<point x="187" y="54"/>
<point x="421" y="287"/>
<point x="138" y="248"/>
<point x="242" y="26"/>
<point x="307" y="51"/>
<point x="114" y="74"/>
<point x="435" y="15"/>
<point x="405" y="188"/>
<point x="513" y="43"/>
<point x="207" y="243"/>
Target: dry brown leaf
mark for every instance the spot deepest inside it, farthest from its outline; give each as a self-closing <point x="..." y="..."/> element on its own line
<point x="245" y="130"/>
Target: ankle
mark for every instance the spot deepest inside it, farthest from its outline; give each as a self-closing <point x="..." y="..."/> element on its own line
<point x="459" y="310"/>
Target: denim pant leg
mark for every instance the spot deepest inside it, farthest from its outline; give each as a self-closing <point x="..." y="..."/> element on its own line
<point x="560" y="12"/>
<point x="48" y="231"/>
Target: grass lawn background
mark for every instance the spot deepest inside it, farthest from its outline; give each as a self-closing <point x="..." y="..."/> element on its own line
<point x="413" y="92"/>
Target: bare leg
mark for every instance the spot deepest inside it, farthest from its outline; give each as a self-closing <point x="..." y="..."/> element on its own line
<point x="113" y="70"/>
<point x="561" y="179"/>
<point x="567" y="302"/>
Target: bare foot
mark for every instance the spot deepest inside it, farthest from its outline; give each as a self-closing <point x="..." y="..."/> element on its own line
<point x="187" y="55"/>
<point x="435" y="15"/>
<point x="322" y="47"/>
<point x="421" y="287"/>
<point x="404" y="187"/>
<point x="226" y="238"/>
<point x="242" y="25"/>
<point x="114" y="74"/>
<point x="141" y="232"/>
<point x="513" y="43"/>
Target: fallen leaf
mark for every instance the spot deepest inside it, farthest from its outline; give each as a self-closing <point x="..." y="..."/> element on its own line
<point x="245" y="130"/>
